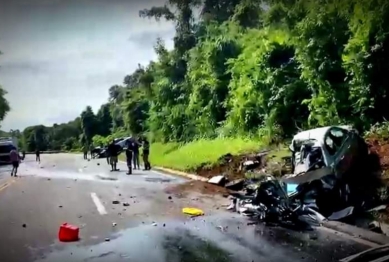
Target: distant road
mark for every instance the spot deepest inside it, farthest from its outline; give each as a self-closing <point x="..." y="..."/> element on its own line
<point x="46" y="152"/>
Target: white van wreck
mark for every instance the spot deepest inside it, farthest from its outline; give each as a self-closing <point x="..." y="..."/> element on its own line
<point x="323" y="151"/>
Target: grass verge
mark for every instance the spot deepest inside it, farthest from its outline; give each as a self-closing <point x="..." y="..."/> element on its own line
<point x="188" y="157"/>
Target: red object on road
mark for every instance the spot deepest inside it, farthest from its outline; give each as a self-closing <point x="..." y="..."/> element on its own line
<point x="68" y="233"/>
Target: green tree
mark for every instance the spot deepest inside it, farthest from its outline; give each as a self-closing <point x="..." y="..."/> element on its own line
<point x="88" y="125"/>
<point x="104" y="120"/>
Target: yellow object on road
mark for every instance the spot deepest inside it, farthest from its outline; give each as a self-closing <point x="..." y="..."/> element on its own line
<point x="192" y="211"/>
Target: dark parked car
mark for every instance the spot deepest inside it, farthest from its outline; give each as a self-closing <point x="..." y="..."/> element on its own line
<point x="100" y="152"/>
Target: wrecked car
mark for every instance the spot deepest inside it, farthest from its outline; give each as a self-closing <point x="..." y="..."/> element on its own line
<point x="325" y="150"/>
<point x="101" y="152"/>
<point x="318" y="187"/>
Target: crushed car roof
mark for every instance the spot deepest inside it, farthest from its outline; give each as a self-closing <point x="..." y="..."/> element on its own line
<point x="317" y="133"/>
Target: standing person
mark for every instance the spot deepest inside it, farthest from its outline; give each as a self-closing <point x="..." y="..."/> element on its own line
<point x="113" y="153"/>
<point x="135" y="157"/>
<point x="38" y="155"/>
<point x="107" y="154"/>
<point x="129" y="155"/>
<point x="91" y="147"/>
<point x="85" y="150"/>
<point x="146" y="153"/>
<point x="15" y="159"/>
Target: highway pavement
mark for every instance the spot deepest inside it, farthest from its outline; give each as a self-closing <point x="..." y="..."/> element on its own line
<point x="149" y="227"/>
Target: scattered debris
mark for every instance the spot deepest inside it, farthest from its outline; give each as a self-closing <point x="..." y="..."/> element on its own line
<point x="217" y="180"/>
<point x="60" y="206"/>
<point x="126" y="204"/>
<point x="68" y="233"/>
<point x="221" y="228"/>
<point x="250" y="164"/>
<point x="267" y="200"/>
<point x="116" y="202"/>
<point x="192" y="211"/>
<point x="313" y="237"/>
<point x="98" y="164"/>
<point x="154" y="224"/>
<point x="342" y="213"/>
<point x="114" y="224"/>
<point x="106" y="178"/>
<point x="169" y="197"/>
<point x="377" y="209"/>
<point x="375" y="227"/>
<point x="24" y="225"/>
<point x="235" y="184"/>
<point x="107" y="239"/>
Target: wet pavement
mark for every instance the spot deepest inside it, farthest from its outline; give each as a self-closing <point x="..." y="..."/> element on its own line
<point x="66" y="188"/>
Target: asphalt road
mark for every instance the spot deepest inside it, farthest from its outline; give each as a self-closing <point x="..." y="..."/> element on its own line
<point x="66" y="188"/>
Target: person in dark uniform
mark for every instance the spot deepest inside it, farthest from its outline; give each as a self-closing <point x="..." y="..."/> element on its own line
<point x="135" y="151"/>
<point x="107" y="154"/>
<point x="113" y="152"/>
<point x="91" y="147"/>
<point x="146" y="153"/>
<point x="38" y="155"/>
<point x="85" y="150"/>
<point x="129" y="155"/>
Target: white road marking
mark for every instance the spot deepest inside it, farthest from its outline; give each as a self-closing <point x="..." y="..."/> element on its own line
<point x="98" y="204"/>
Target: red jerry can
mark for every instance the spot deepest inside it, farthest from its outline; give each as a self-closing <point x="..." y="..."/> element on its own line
<point x="68" y="233"/>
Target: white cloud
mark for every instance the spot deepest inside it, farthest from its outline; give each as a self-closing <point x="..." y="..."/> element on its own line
<point x="59" y="58"/>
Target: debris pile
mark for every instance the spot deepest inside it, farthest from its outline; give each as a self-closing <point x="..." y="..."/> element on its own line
<point x="273" y="201"/>
<point x="321" y="185"/>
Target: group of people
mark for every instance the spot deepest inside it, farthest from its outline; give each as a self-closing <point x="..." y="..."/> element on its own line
<point x="132" y="149"/>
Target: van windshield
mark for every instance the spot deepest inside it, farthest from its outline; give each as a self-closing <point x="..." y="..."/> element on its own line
<point x="296" y="144"/>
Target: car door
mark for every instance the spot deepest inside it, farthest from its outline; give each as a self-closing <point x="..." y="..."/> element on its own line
<point x="345" y="145"/>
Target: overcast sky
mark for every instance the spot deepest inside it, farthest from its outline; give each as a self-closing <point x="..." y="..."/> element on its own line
<point x="62" y="55"/>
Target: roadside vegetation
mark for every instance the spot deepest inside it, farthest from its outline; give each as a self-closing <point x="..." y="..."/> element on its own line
<point x="4" y="105"/>
<point x="189" y="156"/>
<point x="244" y="75"/>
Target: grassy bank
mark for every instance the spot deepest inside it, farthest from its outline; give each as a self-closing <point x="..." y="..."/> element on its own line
<point x="189" y="156"/>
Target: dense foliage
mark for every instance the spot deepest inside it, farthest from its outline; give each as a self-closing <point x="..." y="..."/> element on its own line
<point x="242" y="67"/>
<point x="4" y="105"/>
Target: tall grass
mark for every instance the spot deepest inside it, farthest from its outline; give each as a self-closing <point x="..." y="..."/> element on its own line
<point x="187" y="157"/>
